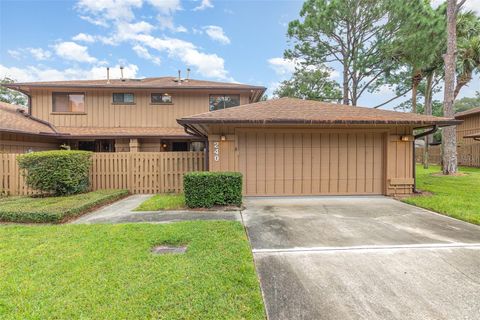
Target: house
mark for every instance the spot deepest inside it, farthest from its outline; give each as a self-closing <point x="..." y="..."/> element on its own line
<point x="282" y="147"/>
<point x="468" y="137"/>
<point x="300" y="147"/>
<point x="115" y="115"/>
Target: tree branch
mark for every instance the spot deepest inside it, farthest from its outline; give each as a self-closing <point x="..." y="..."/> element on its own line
<point x="394" y="98"/>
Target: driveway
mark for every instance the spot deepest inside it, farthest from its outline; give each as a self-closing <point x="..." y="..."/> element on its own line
<point x="362" y="258"/>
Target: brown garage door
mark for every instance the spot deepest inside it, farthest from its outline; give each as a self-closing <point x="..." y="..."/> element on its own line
<point x="316" y="163"/>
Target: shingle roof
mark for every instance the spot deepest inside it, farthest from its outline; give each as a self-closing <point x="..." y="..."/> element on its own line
<point x="296" y="111"/>
<point x="145" y="83"/>
<point x="121" y="132"/>
<point x="467" y="112"/>
<point x="13" y="118"/>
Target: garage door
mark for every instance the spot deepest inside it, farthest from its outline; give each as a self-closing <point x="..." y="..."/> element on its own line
<point x="313" y="163"/>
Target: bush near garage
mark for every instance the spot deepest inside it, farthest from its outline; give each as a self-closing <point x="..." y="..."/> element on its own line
<point x="58" y="173"/>
<point x="208" y="189"/>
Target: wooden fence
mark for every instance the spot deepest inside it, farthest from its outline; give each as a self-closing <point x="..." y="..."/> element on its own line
<point x="467" y="155"/>
<point x="139" y="172"/>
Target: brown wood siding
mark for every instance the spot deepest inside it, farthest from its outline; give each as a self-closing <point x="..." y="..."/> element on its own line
<point x="470" y="125"/>
<point x="19" y="143"/>
<point x="310" y="163"/>
<point x="101" y="112"/>
<point x="328" y="160"/>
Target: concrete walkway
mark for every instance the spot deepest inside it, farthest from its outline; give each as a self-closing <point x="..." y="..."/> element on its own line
<point x="122" y="212"/>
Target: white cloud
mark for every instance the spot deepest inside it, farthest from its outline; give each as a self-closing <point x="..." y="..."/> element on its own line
<point x="166" y="7"/>
<point x="39" y="53"/>
<point x="216" y="33"/>
<point x="125" y="29"/>
<point x="33" y="73"/>
<point x="72" y="51"/>
<point x="281" y="66"/>
<point x="204" y="5"/>
<point x="209" y="65"/>
<point x="142" y="52"/>
<point x="102" y="10"/>
<point x="16" y="54"/>
<point x="83" y="37"/>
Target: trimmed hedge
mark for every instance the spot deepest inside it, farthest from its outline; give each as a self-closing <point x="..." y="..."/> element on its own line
<point x="59" y="172"/>
<point x="54" y="209"/>
<point x="208" y="189"/>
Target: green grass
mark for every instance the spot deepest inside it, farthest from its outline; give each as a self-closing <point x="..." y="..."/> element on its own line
<point x="455" y="196"/>
<point x="163" y="202"/>
<point x="54" y="209"/>
<point x="108" y="272"/>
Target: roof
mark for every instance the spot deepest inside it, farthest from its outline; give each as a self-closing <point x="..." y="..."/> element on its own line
<point x="296" y="111"/>
<point x="13" y="118"/>
<point x="77" y="132"/>
<point x="467" y="112"/>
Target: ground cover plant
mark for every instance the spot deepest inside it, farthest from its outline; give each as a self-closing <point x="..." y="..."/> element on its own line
<point x="109" y="272"/>
<point x="54" y="209"/>
<point x="454" y="196"/>
<point x="169" y="201"/>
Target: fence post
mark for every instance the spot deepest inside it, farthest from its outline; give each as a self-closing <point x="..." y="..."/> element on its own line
<point x="13" y="178"/>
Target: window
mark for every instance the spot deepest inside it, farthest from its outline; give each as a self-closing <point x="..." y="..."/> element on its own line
<point x="161" y="98"/>
<point x="179" y="146"/>
<point x="123" y="98"/>
<point x="68" y="102"/>
<point x="223" y="101"/>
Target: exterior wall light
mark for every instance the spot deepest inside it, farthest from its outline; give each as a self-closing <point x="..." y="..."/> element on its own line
<point x="223" y="138"/>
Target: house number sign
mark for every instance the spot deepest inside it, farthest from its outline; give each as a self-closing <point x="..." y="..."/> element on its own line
<point x="216" y="151"/>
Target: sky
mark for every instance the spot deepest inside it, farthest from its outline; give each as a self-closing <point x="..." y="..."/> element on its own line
<point x="234" y="41"/>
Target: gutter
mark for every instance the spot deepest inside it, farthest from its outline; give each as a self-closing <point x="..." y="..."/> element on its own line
<point x="418" y="136"/>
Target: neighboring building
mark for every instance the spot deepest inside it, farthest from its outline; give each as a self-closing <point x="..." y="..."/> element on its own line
<point x="21" y="133"/>
<point x="120" y="114"/>
<point x="468" y="137"/>
<point x="300" y="147"/>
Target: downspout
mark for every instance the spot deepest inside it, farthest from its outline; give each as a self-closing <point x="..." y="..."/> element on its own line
<point x="418" y="136"/>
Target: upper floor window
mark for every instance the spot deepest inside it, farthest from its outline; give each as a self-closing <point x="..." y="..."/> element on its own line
<point x="161" y="98"/>
<point x="223" y="101"/>
<point x="123" y="98"/>
<point x="68" y="102"/>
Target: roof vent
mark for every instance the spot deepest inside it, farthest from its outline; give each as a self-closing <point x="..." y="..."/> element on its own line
<point x="121" y="73"/>
<point x="108" y="75"/>
<point x="188" y="75"/>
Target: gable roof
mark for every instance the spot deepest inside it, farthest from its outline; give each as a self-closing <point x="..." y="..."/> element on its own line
<point x="467" y="113"/>
<point x="297" y="111"/>
<point x="170" y="83"/>
<point x="14" y="118"/>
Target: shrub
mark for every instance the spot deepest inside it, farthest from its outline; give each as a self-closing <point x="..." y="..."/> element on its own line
<point x="207" y="189"/>
<point x="59" y="172"/>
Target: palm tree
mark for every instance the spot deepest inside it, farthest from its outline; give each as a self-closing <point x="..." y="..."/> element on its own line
<point x="468" y="49"/>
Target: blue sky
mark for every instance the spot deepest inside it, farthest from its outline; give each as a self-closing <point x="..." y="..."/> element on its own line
<point x="239" y="41"/>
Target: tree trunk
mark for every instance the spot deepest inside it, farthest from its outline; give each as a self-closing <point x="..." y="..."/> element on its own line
<point x="428" y="112"/>
<point x="461" y="81"/>
<point x="416" y="79"/>
<point x="449" y="134"/>
<point x="345" y="84"/>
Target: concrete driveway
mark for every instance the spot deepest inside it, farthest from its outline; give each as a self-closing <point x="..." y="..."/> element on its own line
<point x="362" y="258"/>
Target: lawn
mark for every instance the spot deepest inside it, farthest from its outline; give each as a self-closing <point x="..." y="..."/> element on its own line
<point x="109" y="272"/>
<point x="54" y="209"/>
<point x="163" y="202"/>
<point x="455" y="196"/>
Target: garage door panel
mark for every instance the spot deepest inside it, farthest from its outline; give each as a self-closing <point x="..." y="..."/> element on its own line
<point x="311" y="163"/>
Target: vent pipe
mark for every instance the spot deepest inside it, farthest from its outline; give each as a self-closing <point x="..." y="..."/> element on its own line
<point x="179" y="76"/>
<point x="108" y="75"/>
<point x="188" y="74"/>
<point x="121" y="73"/>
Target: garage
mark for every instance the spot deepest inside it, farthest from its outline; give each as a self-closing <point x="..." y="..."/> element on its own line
<point x="299" y="147"/>
<point x="311" y="163"/>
